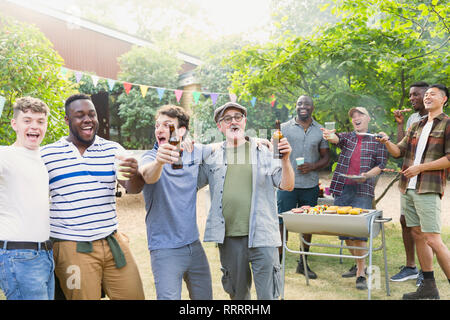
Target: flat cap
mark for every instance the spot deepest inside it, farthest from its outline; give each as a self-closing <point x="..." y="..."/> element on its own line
<point x="218" y="113"/>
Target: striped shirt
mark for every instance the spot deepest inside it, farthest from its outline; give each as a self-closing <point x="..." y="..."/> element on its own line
<point x="82" y="196"/>
<point x="373" y="154"/>
<point x="438" y="146"/>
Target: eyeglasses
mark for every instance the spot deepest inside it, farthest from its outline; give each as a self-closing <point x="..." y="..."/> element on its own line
<point x="238" y="117"/>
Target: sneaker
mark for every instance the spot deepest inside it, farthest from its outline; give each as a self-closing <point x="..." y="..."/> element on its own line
<point x="350" y="273"/>
<point x="426" y="290"/>
<point x="406" y="273"/>
<point x="361" y="283"/>
<point x="301" y="270"/>
<point x="419" y="279"/>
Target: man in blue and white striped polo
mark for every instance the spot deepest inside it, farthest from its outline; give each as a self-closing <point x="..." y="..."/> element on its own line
<point x="89" y="253"/>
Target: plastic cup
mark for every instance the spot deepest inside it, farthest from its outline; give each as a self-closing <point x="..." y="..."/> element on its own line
<point x="300" y="161"/>
<point x="118" y="166"/>
<point x="330" y="125"/>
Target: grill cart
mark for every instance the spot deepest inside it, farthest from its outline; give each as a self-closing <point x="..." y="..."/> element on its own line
<point x="367" y="224"/>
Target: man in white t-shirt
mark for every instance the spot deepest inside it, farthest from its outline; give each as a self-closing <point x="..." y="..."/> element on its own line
<point x="416" y="93"/>
<point x="26" y="256"/>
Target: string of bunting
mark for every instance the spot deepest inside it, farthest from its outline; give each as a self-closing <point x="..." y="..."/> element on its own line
<point x="144" y="89"/>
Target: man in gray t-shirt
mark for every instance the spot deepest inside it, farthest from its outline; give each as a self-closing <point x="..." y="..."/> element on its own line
<point x="306" y="139"/>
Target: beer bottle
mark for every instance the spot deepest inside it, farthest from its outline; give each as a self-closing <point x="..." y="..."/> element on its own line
<point x="277" y="136"/>
<point x="173" y="140"/>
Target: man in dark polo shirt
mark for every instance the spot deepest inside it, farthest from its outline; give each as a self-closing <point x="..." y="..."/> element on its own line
<point x="306" y="139"/>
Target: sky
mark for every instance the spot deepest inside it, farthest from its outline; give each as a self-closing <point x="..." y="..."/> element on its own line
<point x="228" y="16"/>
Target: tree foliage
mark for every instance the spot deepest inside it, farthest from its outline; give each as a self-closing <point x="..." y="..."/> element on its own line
<point x="369" y="58"/>
<point x="145" y="66"/>
<point x="29" y="66"/>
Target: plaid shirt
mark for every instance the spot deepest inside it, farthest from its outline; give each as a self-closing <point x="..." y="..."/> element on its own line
<point x="438" y="146"/>
<point x="373" y="154"/>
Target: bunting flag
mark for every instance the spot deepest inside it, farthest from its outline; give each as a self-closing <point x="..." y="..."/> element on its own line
<point x="178" y="94"/>
<point x="160" y="92"/>
<point x="2" y="104"/>
<point x="143" y="90"/>
<point x="196" y="96"/>
<point x="64" y="72"/>
<point x="214" y="97"/>
<point x="111" y="84"/>
<point x="94" y="80"/>
<point x="127" y="87"/>
<point x="78" y="76"/>
<point x="273" y="100"/>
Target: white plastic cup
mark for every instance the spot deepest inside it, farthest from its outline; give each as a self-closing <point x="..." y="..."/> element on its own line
<point x="330" y="125"/>
<point x="300" y="161"/>
<point x="118" y="166"/>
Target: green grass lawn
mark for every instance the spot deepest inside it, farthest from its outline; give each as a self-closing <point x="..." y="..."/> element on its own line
<point x="329" y="285"/>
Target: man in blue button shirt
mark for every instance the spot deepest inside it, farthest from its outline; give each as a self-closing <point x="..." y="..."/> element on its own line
<point x="243" y="217"/>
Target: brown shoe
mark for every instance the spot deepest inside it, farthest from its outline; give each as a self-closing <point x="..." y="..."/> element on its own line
<point x="427" y="290"/>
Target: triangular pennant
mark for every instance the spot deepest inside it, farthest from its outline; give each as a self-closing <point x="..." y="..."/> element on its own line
<point x="160" y="92"/>
<point x="94" y="80"/>
<point x="253" y="101"/>
<point x="178" y="94"/>
<point x="143" y="90"/>
<point x="64" y="72"/>
<point x="2" y="104"/>
<point x="111" y="84"/>
<point x="214" y="97"/>
<point x="78" y="76"/>
<point x="196" y="96"/>
<point x="127" y="87"/>
<point x="233" y="97"/>
<point x="272" y="100"/>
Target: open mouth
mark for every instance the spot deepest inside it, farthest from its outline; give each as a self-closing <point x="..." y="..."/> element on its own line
<point x="161" y="140"/>
<point x="88" y="130"/>
<point x="33" y="136"/>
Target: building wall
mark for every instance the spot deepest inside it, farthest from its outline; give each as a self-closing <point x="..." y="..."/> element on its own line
<point x="82" y="49"/>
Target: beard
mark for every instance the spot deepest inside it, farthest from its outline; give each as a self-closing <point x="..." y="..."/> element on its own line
<point x="77" y="136"/>
<point x="304" y="116"/>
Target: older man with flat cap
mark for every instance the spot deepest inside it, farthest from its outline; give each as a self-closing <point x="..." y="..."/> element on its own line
<point x="243" y="220"/>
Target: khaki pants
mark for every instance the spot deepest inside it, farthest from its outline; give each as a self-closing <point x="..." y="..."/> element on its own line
<point x="82" y="275"/>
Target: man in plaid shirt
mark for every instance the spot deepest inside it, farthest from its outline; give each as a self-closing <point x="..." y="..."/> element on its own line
<point x="426" y="152"/>
<point x="364" y="157"/>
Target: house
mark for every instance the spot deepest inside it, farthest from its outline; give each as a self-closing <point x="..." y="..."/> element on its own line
<point x="90" y="47"/>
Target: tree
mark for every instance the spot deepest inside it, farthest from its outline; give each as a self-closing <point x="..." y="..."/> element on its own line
<point x="29" y="66"/>
<point x="212" y="74"/>
<point x="158" y="68"/>
<point x="369" y="58"/>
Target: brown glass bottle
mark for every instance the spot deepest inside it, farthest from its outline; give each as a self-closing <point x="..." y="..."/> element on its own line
<point x="277" y="136"/>
<point x="173" y="140"/>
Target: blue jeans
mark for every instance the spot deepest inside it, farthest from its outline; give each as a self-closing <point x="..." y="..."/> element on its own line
<point x="348" y="197"/>
<point x="171" y="266"/>
<point x="27" y="274"/>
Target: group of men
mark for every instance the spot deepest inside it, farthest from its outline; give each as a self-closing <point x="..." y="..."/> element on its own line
<point x="75" y="236"/>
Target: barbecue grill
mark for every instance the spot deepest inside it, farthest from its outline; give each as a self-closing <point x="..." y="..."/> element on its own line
<point x="368" y="225"/>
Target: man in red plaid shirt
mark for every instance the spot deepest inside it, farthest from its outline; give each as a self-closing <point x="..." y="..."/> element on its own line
<point x="426" y="152"/>
<point x="362" y="157"/>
